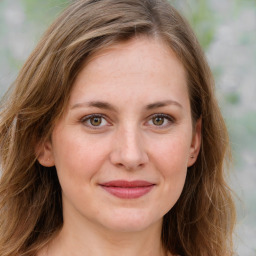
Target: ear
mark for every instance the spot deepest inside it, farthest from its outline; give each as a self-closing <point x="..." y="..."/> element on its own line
<point x="195" y="143"/>
<point x="44" y="153"/>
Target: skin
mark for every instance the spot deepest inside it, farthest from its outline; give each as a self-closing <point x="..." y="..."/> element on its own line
<point x="136" y="83"/>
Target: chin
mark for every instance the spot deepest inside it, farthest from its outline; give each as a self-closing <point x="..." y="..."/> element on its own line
<point x="131" y="221"/>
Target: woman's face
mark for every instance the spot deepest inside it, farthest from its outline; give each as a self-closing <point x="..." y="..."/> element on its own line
<point x="123" y="146"/>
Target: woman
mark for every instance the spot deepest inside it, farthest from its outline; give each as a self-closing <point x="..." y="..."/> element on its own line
<point x="112" y="142"/>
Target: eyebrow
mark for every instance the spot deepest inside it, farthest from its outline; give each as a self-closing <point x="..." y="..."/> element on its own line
<point x="107" y="106"/>
<point x="95" y="104"/>
<point x="165" y="103"/>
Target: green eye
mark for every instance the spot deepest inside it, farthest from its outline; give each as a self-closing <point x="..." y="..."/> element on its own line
<point x="158" y="120"/>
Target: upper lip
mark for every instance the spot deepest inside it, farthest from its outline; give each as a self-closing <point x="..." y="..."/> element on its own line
<point x="127" y="184"/>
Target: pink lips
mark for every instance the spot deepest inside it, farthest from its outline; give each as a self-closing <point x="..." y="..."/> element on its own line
<point x="127" y="189"/>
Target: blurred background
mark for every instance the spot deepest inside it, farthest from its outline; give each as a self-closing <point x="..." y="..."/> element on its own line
<point x="226" y="30"/>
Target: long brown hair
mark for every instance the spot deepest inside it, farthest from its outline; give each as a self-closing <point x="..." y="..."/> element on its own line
<point x="201" y="222"/>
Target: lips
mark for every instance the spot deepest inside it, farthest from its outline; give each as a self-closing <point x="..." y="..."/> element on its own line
<point x="128" y="189"/>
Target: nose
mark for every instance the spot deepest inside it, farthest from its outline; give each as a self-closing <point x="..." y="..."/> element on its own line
<point x="129" y="150"/>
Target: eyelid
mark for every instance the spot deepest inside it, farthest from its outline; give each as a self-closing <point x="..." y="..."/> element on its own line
<point x="170" y="119"/>
<point x="88" y="117"/>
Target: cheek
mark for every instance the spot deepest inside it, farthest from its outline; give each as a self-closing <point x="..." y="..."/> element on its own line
<point x="172" y="151"/>
<point x="78" y="165"/>
<point x="170" y="158"/>
<point x="78" y="159"/>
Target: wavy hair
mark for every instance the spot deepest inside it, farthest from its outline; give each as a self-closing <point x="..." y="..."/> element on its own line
<point x="201" y="222"/>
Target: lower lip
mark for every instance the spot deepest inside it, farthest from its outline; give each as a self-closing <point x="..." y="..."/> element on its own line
<point x="128" y="193"/>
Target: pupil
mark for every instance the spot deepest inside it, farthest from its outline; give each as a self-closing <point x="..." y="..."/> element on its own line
<point x="158" y="120"/>
<point x="95" y="121"/>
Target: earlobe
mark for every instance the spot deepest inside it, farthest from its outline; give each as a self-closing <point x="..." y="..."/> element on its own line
<point x="195" y="143"/>
<point x="44" y="154"/>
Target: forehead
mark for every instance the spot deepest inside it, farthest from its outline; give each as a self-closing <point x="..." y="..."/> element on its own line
<point x="140" y="65"/>
<point x="143" y="49"/>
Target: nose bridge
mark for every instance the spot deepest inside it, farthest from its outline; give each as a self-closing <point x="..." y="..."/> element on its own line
<point x="129" y="150"/>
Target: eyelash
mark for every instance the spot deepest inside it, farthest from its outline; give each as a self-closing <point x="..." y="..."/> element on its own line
<point x="170" y="120"/>
<point x="86" y="119"/>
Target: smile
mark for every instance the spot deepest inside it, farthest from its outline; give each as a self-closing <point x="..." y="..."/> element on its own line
<point x="128" y="189"/>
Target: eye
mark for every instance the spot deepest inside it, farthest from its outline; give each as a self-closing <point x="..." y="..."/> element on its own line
<point x="158" y="120"/>
<point x="94" y="121"/>
<point x="161" y="120"/>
